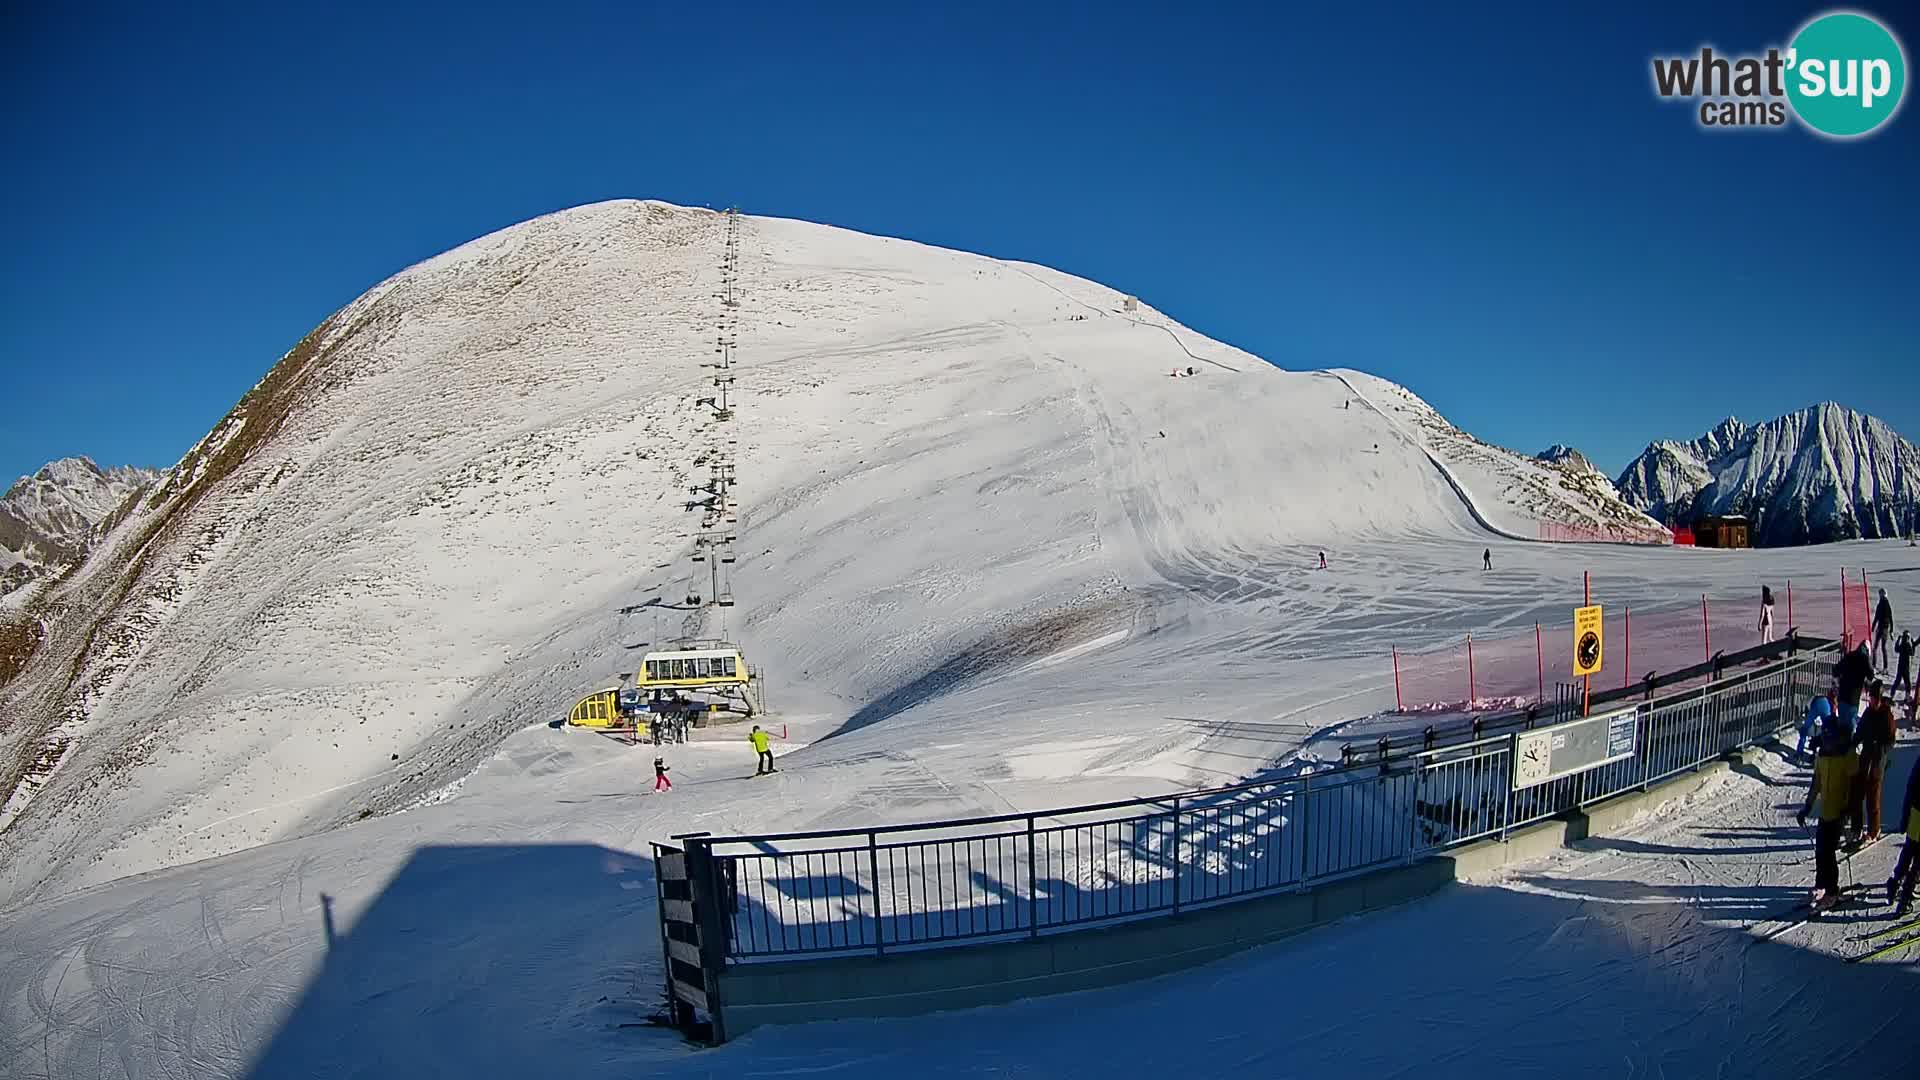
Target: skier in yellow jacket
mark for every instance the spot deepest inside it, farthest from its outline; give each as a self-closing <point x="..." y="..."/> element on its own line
<point x="759" y="740"/>
<point x="1831" y="793"/>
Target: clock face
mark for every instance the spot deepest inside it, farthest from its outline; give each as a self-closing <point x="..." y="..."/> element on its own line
<point x="1588" y="651"/>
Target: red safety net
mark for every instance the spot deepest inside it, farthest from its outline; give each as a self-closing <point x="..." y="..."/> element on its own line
<point x="1505" y="669"/>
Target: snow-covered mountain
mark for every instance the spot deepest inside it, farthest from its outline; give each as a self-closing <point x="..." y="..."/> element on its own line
<point x="1824" y="473"/>
<point x="462" y="501"/>
<point x="47" y="520"/>
<point x="1521" y="497"/>
<point x="1566" y="457"/>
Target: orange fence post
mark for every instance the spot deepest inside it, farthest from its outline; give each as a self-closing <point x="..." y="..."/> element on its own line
<point x="1866" y="608"/>
<point x="1706" y="634"/>
<point x="1540" y="661"/>
<point x="1628" y="666"/>
<point x="1470" y="694"/>
<point x="1846" y="627"/>
<point x="1398" y="704"/>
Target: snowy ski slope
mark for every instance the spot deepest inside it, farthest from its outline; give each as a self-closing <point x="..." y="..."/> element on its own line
<point x="986" y="543"/>
<point x="428" y="520"/>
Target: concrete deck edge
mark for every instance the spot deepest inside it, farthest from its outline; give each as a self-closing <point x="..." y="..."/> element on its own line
<point x="936" y="980"/>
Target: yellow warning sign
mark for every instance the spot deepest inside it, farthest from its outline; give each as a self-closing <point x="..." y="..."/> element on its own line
<point x="1589" y="640"/>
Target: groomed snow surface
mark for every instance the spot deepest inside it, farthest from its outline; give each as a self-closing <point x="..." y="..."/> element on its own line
<point x="992" y="557"/>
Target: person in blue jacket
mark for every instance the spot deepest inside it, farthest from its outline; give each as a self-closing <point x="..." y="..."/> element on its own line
<point x="1817" y="711"/>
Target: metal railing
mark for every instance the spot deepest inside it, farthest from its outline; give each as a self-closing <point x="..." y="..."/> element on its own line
<point x="889" y="888"/>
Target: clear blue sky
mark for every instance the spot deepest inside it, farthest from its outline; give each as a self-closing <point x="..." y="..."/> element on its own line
<point x="1488" y="206"/>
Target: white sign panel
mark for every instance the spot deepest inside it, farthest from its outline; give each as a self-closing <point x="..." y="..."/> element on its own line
<point x="1550" y="753"/>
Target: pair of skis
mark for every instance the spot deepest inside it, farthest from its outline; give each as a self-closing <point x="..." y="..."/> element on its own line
<point x="1904" y="934"/>
<point x="1806" y="912"/>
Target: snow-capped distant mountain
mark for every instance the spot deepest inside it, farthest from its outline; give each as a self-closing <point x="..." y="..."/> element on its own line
<point x="47" y="520"/>
<point x="1567" y="458"/>
<point x="1821" y="474"/>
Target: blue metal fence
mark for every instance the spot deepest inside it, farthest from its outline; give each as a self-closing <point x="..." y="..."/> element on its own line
<point x="871" y="891"/>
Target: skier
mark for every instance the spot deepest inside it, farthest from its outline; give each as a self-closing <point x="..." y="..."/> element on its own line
<point x="759" y="740"/>
<point x="1830" y="794"/>
<point x="1766" y="614"/>
<point x="1882" y="628"/>
<point x="1851" y="673"/>
<point x="1903" y="649"/>
<point x="1818" y="710"/>
<point x="660" y="781"/>
<point x="1486" y="559"/>
<point x="1875" y="737"/>
<point x="1907" y="873"/>
<point x="1323" y="560"/>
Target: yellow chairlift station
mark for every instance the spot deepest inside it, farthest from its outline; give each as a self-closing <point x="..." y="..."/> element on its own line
<point x="600" y="709"/>
<point x="717" y="668"/>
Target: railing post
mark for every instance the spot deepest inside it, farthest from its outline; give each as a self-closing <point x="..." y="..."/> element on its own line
<point x="1179" y="856"/>
<point x="1413" y="810"/>
<point x="704" y="884"/>
<point x="1306" y="834"/>
<point x="1033" y="886"/>
<point x="873" y="866"/>
<point x="1513" y="762"/>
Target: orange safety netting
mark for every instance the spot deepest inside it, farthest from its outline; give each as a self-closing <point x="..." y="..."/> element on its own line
<point x="1506" y="669"/>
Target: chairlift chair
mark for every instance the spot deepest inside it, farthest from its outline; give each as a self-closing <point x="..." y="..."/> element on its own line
<point x="726" y="600"/>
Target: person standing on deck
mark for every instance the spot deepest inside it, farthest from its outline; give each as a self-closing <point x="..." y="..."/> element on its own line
<point x="1882" y="627"/>
<point x="1851" y="674"/>
<point x="1874" y="739"/>
<point x="1829" y="795"/>
<point x="1903" y="651"/>
<point x="1766" y="614"/>
<point x="1818" y="710"/>
<point x="1907" y="873"/>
